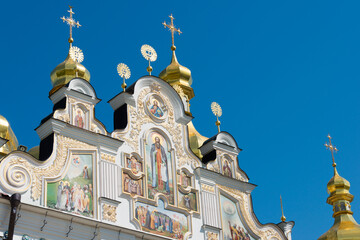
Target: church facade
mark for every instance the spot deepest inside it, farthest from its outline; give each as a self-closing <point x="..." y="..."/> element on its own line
<point x="153" y="177"/>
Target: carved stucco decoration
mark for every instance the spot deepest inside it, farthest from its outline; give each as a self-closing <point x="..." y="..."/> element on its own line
<point x="64" y="115"/>
<point x="108" y="157"/>
<point x="212" y="236"/>
<point x="213" y="166"/>
<point x="208" y="188"/>
<point x="263" y="232"/>
<point x="138" y="118"/>
<point x="21" y="174"/>
<point x="109" y="212"/>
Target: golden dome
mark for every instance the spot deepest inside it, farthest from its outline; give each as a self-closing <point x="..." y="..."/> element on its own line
<point x="196" y="140"/>
<point x="7" y="133"/>
<point x="345" y="227"/>
<point x="338" y="185"/>
<point x="35" y="151"/>
<point x="66" y="71"/>
<point x="176" y="74"/>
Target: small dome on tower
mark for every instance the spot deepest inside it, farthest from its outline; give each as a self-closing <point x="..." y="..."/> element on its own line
<point x="7" y="133"/>
<point x="338" y="183"/>
<point x="66" y="71"/>
<point x="176" y="74"/>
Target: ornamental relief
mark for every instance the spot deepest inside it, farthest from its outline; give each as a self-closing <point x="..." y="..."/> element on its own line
<point x="109" y="212"/>
<point x="20" y="174"/>
<point x="140" y="116"/>
<point x="263" y="232"/>
<point x="212" y="236"/>
<point x="227" y="162"/>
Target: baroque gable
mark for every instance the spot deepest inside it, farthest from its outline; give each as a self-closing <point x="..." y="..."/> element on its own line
<point x="141" y="179"/>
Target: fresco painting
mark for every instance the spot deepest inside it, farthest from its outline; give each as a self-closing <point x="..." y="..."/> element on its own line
<point x="132" y="186"/>
<point x="158" y="220"/>
<point x="134" y="164"/>
<point x="188" y="201"/>
<point x="226" y="168"/>
<point x="233" y="228"/>
<point x="74" y="193"/>
<point x="79" y="118"/>
<point x="184" y="180"/>
<point x="159" y="167"/>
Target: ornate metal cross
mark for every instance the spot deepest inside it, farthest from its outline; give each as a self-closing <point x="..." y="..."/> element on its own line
<point x="172" y="28"/>
<point x="71" y="22"/>
<point x="332" y="149"/>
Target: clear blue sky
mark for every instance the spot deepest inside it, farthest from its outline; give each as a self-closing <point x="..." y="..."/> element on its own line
<point x="286" y="74"/>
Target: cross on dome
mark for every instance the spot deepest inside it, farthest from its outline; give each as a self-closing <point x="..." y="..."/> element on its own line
<point x="172" y="29"/>
<point x="332" y="149"/>
<point x="71" y="22"/>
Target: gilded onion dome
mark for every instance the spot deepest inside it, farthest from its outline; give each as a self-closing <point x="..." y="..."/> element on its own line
<point x="176" y="74"/>
<point x="66" y="71"/>
<point x="71" y="67"/>
<point x="7" y="133"/>
<point x="196" y="140"/>
<point x="345" y="227"/>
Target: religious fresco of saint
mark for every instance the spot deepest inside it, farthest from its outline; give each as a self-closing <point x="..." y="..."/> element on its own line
<point x="161" y="221"/>
<point x="226" y="168"/>
<point x="74" y="193"/>
<point x="159" y="167"/>
<point x="188" y="201"/>
<point x="79" y="118"/>
<point x="132" y="186"/>
<point x="184" y="180"/>
<point x="134" y="164"/>
<point x="233" y="228"/>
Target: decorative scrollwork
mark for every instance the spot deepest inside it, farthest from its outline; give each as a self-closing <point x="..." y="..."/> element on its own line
<point x="76" y="54"/>
<point x="109" y="212"/>
<point x="20" y="173"/>
<point x="123" y="70"/>
<point x="216" y="109"/>
<point x="138" y="118"/>
<point x="264" y="232"/>
<point x="17" y="176"/>
<point x="148" y="53"/>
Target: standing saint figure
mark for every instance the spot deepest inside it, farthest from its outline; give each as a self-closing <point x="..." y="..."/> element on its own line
<point x="226" y="169"/>
<point x="79" y="121"/>
<point x="158" y="161"/>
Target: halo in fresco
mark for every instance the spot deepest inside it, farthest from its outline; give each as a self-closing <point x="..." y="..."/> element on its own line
<point x="229" y="207"/>
<point x="74" y="192"/>
<point x="159" y="167"/>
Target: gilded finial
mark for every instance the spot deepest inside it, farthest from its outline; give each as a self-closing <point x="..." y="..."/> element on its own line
<point x="332" y="149"/>
<point x="76" y="55"/>
<point x="172" y="29"/>
<point x="283" y="218"/>
<point x="124" y="72"/>
<point x="217" y="111"/>
<point x="72" y="23"/>
<point x="149" y="54"/>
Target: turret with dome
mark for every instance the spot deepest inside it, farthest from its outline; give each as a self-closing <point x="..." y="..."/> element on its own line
<point x="345" y="227"/>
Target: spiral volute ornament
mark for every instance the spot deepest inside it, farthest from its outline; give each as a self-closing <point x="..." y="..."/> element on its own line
<point x="18" y="178"/>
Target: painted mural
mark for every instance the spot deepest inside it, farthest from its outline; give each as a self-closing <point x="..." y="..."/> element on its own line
<point x="74" y="193"/>
<point x="160" y="221"/>
<point x="79" y="118"/>
<point x="132" y="186"/>
<point x="226" y="168"/>
<point x="134" y="164"/>
<point x="184" y="180"/>
<point x="233" y="228"/>
<point x="156" y="106"/>
<point x="188" y="201"/>
<point x="159" y="167"/>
